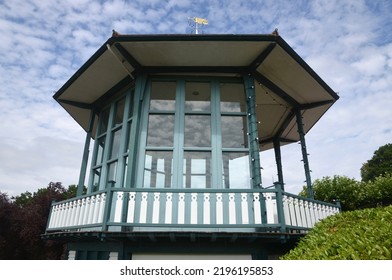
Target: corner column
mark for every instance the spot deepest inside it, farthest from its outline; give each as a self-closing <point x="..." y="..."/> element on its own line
<point x="304" y="153"/>
<point x="86" y="151"/>
<point x="254" y="150"/>
<point x="278" y="159"/>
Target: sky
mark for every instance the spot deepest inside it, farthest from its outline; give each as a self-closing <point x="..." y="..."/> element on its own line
<point x="348" y="43"/>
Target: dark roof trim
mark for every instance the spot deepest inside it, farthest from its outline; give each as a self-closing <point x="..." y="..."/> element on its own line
<point x="135" y="64"/>
<point x="76" y="104"/>
<point x="272" y="86"/>
<point x="195" y="69"/>
<point x="259" y="60"/>
<point x="315" y="104"/>
<point x="99" y="103"/>
<point x="193" y="37"/>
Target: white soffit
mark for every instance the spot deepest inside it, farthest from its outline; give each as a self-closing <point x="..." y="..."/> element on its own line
<point x="105" y="72"/>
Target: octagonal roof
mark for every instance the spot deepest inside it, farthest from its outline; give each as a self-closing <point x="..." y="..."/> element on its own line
<point x="284" y="81"/>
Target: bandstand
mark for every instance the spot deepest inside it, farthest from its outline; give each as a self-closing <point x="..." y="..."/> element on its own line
<point x="178" y="123"/>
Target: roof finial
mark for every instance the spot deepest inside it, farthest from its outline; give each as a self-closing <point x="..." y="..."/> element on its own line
<point x="115" y="33"/>
<point x="275" y="32"/>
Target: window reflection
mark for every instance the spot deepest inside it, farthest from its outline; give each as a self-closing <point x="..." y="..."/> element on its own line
<point x="197" y="131"/>
<point x="101" y="148"/>
<point x="236" y="174"/>
<point x="112" y="168"/>
<point x="234" y="132"/>
<point x="197" y="170"/>
<point x="118" y="117"/>
<point x="158" y="168"/>
<point x="198" y="97"/>
<point x="96" y="179"/>
<point x="232" y="97"/>
<point x="116" y="138"/>
<point x="160" y="130"/>
<point x="163" y="96"/>
<point x="104" y="118"/>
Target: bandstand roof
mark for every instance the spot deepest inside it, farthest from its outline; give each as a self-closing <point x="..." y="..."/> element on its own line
<point x="284" y="81"/>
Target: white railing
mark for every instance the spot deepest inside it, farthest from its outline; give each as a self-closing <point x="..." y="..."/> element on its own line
<point x="189" y="208"/>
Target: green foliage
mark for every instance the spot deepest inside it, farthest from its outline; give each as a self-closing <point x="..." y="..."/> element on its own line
<point x="355" y="235"/>
<point x="379" y="164"/>
<point x="354" y="194"/>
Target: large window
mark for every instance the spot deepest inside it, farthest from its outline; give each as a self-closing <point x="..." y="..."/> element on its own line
<point x="111" y="149"/>
<point x="195" y="135"/>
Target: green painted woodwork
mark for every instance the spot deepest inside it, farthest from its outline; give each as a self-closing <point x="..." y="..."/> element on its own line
<point x="305" y="159"/>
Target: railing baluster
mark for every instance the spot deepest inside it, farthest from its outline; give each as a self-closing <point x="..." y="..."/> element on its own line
<point x="256" y="208"/>
<point x="169" y="208"/>
<point x="244" y="208"/>
<point x="155" y="208"/>
<point x="206" y="209"/>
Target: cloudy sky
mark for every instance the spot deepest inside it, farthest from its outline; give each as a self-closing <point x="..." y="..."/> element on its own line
<point x="42" y="43"/>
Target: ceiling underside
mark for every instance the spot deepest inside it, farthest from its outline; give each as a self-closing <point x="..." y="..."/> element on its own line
<point x="283" y="81"/>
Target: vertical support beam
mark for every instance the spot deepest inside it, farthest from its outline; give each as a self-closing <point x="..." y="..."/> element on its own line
<point x="83" y="168"/>
<point x="140" y="86"/>
<point x="278" y="159"/>
<point x="304" y="152"/>
<point x="254" y="149"/>
<point x="279" y="207"/>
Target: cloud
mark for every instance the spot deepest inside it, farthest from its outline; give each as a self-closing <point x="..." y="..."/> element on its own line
<point x="43" y="43"/>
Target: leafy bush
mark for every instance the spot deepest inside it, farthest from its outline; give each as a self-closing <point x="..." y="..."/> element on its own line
<point x="355" y="235"/>
<point x="354" y="194"/>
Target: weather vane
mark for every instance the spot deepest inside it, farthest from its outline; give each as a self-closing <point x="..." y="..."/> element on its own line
<point x="197" y="24"/>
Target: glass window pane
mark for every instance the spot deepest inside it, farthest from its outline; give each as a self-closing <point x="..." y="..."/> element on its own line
<point x="197" y="131"/>
<point x="118" y="117"/>
<point x="197" y="170"/>
<point x="198" y="97"/>
<point x="96" y="179"/>
<point x="116" y="138"/>
<point x="100" y="150"/>
<point x="158" y="168"/>
<point x="163" y="96"/>
<point x="112" y="167"/>
<point x="160" y="131"/>
<point x="232" y="97"/>
<point x="236" y="174"/>
<point x="234" y="132"/>
<point x="104" y="119"/>
<point x="125" y="171"/>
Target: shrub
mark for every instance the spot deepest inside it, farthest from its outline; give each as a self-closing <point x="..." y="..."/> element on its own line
<point x="354" y="235"/>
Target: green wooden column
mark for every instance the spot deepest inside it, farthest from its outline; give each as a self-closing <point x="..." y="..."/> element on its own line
<point x="304" y="153"/>
<point x="83" y="168"/>
<point x="278" y="159"/>
<point x="254" y="149"/>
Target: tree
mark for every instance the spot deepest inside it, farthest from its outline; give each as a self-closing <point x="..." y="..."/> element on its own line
<point x="329" y="189"/>
<point x="379" y="164"/>
<point x="23" y="219"/>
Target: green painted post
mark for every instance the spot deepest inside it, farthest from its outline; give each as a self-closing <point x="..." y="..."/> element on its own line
<point x="279" y="206"/>
<point x="83" y="168"/>
<point x="254" y="151"/>
<point x="253" y="131"/>
<point x="278" y="159"/>
<point x="304" y="153"/>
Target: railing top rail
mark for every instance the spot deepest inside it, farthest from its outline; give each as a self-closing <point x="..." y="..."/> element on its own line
<point x="310" y="199"/>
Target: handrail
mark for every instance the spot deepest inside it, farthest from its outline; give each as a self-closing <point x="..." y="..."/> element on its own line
<point x="189" y="208"/>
